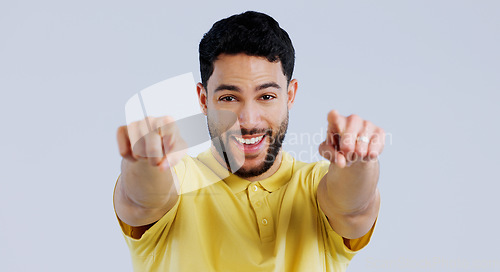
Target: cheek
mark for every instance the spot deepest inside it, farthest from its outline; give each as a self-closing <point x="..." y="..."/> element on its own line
<point x="222" y="120"/>
<point x="276" y="116"/>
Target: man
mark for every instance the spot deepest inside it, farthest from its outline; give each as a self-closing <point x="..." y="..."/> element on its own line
<point x="245" y="204"/>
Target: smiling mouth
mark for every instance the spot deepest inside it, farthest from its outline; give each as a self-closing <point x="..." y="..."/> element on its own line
<point x="249" y="141"/>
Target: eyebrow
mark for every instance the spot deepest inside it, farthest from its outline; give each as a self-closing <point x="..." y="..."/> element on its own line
<point x="237" y="89"/>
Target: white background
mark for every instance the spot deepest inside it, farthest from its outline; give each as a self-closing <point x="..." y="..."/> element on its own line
<point x="426" y="71"/>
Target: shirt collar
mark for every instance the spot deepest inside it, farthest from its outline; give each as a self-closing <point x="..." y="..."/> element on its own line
<point x="237" y="184"/>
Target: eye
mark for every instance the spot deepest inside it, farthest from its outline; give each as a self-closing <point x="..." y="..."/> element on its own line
<point x="227" y="98"/>
<point x="267" y="97"/>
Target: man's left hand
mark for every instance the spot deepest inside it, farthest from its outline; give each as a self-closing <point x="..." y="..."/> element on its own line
<point x="351" y="139"/>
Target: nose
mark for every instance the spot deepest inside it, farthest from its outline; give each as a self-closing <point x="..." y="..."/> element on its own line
<point x="249" y="115"/>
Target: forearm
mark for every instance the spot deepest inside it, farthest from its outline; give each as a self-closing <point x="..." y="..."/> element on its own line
<point x="350" y="190"/>
<point x="145" y="185"/>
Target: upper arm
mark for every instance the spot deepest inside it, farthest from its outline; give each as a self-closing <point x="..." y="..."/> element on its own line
<point x="348" y="225"/>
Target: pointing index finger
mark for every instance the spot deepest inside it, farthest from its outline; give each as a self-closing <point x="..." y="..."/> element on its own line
<point x="336" y="122"/>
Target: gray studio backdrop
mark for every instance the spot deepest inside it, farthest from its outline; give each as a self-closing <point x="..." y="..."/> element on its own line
<point x="426" y="71"/>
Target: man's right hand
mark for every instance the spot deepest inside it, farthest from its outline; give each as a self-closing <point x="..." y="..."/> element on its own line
<point x="145" y="191"/>
<point x="155" y="139"/>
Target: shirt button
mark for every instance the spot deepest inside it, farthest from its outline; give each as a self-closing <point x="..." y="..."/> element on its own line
<point x="255" y="188"/>
<point x="264" y="221"/>
<point x="258" y="203"/>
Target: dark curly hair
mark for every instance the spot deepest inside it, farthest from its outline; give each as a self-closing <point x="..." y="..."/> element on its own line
<point x="252" y="33"/>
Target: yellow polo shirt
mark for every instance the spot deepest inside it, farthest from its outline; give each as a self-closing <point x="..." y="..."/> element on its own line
<point x="225" y="223"/>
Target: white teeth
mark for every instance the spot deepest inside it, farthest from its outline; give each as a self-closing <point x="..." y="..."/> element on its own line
<point x="249" y="141"/>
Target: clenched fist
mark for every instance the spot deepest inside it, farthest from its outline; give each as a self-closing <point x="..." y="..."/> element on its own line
<point x="155" y="139"/>
<point x="350" y="139"/>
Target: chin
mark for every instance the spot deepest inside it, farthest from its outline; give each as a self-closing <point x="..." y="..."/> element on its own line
<point x="249" y="171"/>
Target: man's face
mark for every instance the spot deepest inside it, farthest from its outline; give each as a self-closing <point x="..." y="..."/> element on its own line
<point x="255" y="92"/>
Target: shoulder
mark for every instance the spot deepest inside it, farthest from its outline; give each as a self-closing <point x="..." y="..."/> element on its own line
<point x="198" y="172"/>
<point x="306" y="174"/>
<point x="307" y="169"/>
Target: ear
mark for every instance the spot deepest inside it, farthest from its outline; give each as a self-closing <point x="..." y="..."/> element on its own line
<point x="202" y="97"/>
<point x="292" y="91"/>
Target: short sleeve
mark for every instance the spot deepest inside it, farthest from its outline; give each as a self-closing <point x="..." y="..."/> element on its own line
<point x="348" y="247"/>
<point x="150" y="239"/>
